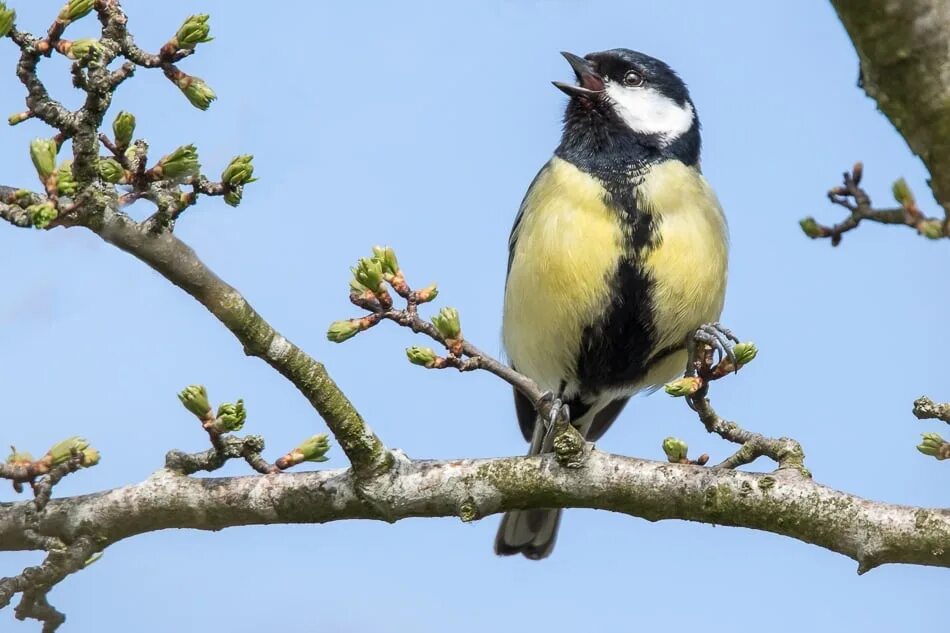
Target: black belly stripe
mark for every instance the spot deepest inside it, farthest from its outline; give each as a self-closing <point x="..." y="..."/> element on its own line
<point x="617" y="350"/>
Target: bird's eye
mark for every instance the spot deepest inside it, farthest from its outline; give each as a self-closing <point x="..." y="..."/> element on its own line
<point x="633" y="79"/>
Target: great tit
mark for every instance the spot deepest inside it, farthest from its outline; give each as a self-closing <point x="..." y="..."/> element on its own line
<point x="617" y="256"/>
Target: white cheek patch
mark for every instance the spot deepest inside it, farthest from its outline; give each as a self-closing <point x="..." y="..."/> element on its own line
<point x="646" y="111"/>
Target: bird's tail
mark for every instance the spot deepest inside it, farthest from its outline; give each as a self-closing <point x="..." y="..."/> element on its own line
<point x="529" y="532"/>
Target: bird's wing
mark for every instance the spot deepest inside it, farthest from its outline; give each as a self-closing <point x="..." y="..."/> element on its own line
<point x="513" y="237"/>
<point x="526" y="415"/>
<point x="604" y="418"/>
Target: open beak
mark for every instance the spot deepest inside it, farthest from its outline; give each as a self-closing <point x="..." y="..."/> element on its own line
<point x="590" y="85"/>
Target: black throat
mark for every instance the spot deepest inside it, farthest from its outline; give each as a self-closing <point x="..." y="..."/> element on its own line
<point x="596" y="141"/>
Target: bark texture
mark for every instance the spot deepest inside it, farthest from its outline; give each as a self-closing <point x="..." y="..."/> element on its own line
<point x="904" y="52"/>
<point x="785" y="502"/>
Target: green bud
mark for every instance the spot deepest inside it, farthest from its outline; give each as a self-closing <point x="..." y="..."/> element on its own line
<point x="65" y="184"/>
<point x="340" y="331"/>
<point x="369" y="272"/>
<point x="902" y="193"/>
<point x="19" y="117"/>
<point x="810" y="227"/>
<point x="124" y="128"/>
<point x="932" y="229"/>
<point x="80" y="49"/>
<point x="43" y="152"/>
<point x="63" y="451"/>
<point x="675" y="449"/>
<point x="934" y="445"/>
<point x="357" y="287"/>
<point x="423" y="356"/>
<point x="110" y="170"/>
<point x="239" y="171"/>
<point x="231" y="417"/>
<point x="180" y="164"/>
<point x="313" y="449"/>
<point x="42" y="214"/>
<point x="19" y="457"/>
<point x="233" y="197"/>
<point x="7" y="17"/>
<point x="90" y="457"/>
<point x="427" y="294"/>
<point x="744" y="352"/>
<point x="194" y="31"/>
<point x="196" y="91"/>
<point x="447" y="323"/>
<point x="683" y="387"/>
<point x="75" y="9"/>
<point x="195" y="399"/>
<point x="92" y="559"/>
<point x="386" y="256"/>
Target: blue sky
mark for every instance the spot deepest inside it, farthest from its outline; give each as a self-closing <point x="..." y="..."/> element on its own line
<point x="420" y="124"/>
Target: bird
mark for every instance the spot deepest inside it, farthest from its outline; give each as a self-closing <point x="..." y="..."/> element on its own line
<point x="617" y="260"/>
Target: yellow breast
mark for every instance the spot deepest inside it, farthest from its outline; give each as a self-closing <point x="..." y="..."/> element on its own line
<point x="689" y="264"/>
<point x="567" y="247"/>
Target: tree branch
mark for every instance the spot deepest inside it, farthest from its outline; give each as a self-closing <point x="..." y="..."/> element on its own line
<point x="381" y="484"/>
<point x="856" y="200"/>
<point x="783" y="503"/>
<point x="179" y="264"/>
<point x="902" y="47"/>
<point x="96" y="208"/>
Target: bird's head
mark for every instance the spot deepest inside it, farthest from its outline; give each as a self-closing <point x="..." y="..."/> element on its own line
<point x="623" y="92"/>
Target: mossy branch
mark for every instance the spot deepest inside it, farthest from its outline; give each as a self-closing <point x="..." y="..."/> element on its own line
<point x="782" y="502"/>
<point x="904" y="66"/>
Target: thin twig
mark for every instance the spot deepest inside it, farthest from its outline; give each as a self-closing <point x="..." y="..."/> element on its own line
<point x="852" y="197"/>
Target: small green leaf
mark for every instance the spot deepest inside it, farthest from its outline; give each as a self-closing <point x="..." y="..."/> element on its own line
<point x="686" y="386"/>
<point x="423" y="356"/>
<point x="75" y="10"/>
<point x="195" y="30"/>
<point x="447" y="323"/>
<point x="43" y="153"/>
<point x="231" y="417"/>
<point x="111" y="171"/>
<point x="7" y="18"/>
<point x="124" y="129"/>
<point x="196" y="91"/>
<point x="195" y="399"/>
<point x="340" y="331"/>
<point x="675" y="449"/>
<point x="63" y="451"/>
<point x="42" y="214"/>
<point x="180" y="164"/>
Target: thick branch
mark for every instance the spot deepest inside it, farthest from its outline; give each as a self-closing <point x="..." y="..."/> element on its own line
<point x="178" y="263"/>
<point x="783" y="503"/>
<point x="904" y="52"/>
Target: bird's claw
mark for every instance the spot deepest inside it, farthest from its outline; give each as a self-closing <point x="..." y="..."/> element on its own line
<point x="551" y="411"/>
<point x="717" y="337"/>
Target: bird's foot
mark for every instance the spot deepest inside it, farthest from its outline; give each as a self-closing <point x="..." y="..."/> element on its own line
<point x="717" y="337"/>
<point x="552" y="412"/>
